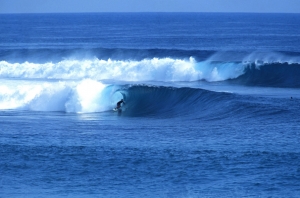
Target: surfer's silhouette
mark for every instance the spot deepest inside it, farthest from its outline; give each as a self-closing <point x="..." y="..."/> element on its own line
<point x="119" y="104"/>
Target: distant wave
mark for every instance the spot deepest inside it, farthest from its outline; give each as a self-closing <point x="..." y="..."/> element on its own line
<point x="165" y="69"/>
<point x="272" y="69"/>
<point x="271" y="74"/>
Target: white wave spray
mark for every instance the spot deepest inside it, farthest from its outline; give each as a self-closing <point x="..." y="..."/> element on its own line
<point x="77" y="96"/>
<point x="165" y="69"/>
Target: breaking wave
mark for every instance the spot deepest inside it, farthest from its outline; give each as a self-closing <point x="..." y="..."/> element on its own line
<point x="90" y="96"/>
<point x="165" y="69"/>
<point x="258" y="73"/>
<point x="95" y="84"/>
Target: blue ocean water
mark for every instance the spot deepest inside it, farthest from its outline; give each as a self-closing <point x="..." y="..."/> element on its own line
<point x="212" y="105"/>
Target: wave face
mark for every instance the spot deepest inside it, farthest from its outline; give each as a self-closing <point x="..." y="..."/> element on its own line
<point x="161" y="101"/>
<point x="195" y="103"/>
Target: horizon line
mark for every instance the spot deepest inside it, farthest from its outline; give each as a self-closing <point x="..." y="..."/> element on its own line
<point x="115" y="12"/>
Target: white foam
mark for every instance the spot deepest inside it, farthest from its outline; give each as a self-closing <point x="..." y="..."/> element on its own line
<point x="78" y="86"/>
<point x="89" y="96"/>
<point x="77" y="96"/>
<point x="165" y="69"/>
<point x="221" y="71"/>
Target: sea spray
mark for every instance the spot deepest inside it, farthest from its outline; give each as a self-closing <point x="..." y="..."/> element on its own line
<point x="165" y="69"/>
<point x="89" y="96"/>
<point x="67" y="96"/>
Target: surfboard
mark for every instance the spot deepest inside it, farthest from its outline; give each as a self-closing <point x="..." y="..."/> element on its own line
<point x="117" y="109"/>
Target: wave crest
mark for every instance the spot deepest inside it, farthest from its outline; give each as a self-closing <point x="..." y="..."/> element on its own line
<point x="262" y="69"/>
<point x="165" y="69"/>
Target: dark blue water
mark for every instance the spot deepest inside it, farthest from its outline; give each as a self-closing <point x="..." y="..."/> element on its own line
<point x="212" y="105"/>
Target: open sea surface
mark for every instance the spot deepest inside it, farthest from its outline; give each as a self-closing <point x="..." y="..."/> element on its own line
<point x="212" y="105"/>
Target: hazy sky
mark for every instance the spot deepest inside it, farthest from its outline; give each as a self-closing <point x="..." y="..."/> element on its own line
<point x="40" y="6"/>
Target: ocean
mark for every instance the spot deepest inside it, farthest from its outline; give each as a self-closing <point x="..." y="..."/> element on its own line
<point x="212" y="105"/>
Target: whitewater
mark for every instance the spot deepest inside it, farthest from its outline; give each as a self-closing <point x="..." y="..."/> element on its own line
<point x="83" y="85"/>
<point x="211" y="105"/>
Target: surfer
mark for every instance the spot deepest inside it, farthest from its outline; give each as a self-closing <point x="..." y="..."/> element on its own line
<point x="119" y="104"/>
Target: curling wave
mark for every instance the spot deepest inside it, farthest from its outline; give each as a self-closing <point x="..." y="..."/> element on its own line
<point x="89" y="96"/>
<point x="195" y="103"/>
